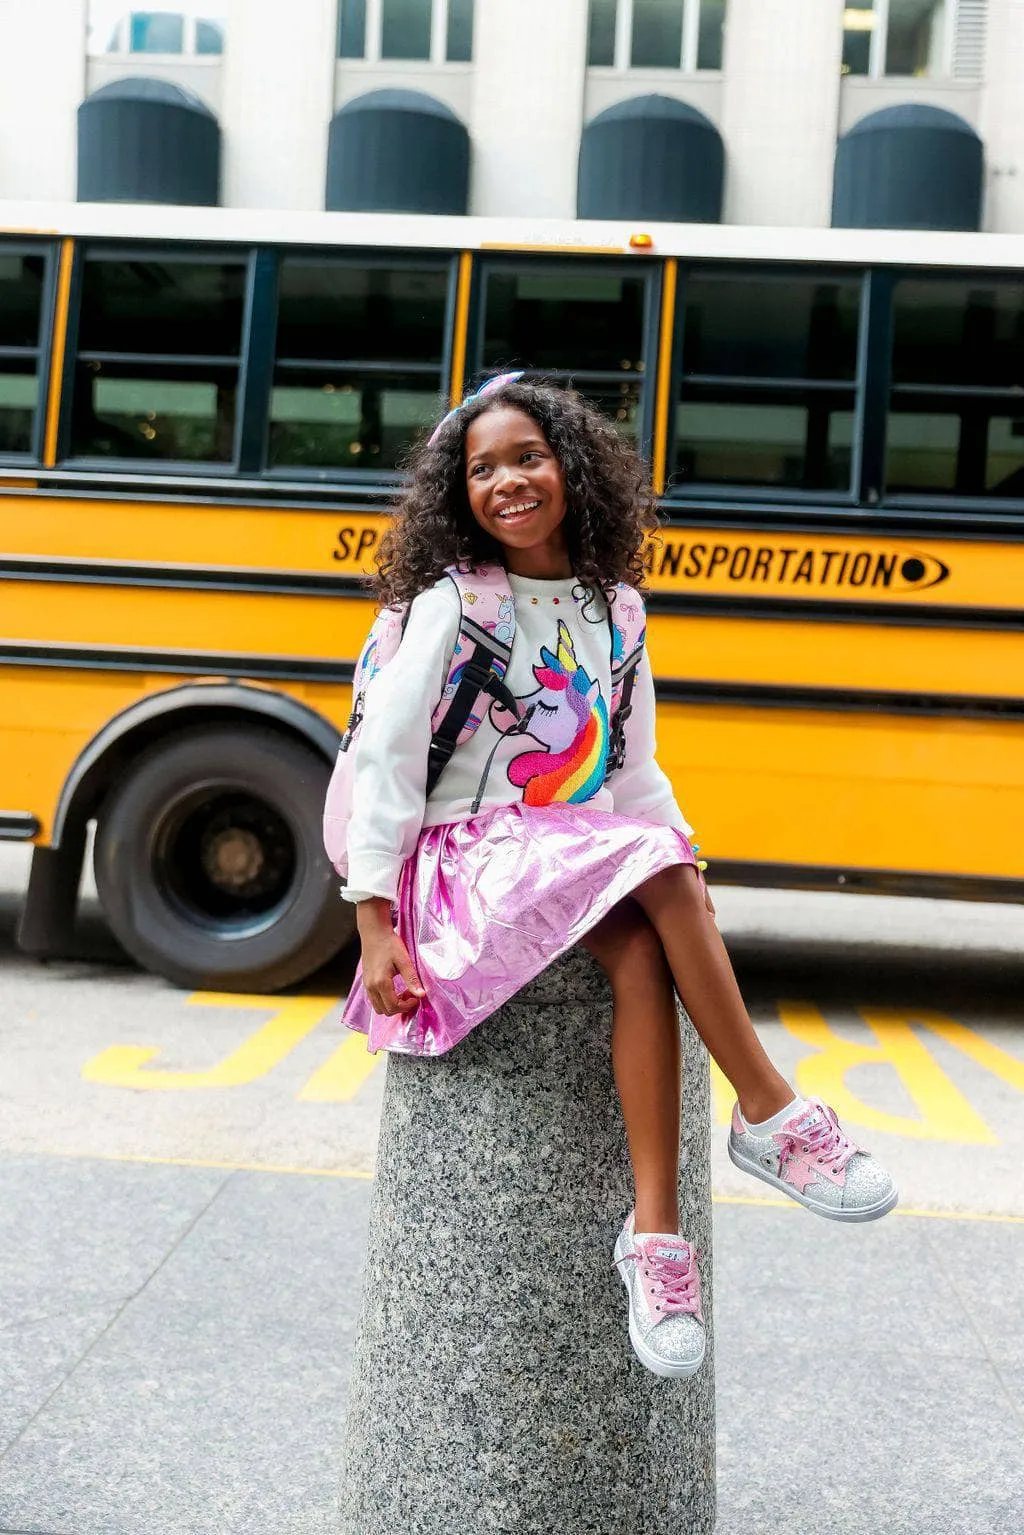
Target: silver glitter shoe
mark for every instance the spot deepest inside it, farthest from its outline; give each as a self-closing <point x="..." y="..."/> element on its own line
<point x="666" y="1326"/>
<point x="813" y="1160"/>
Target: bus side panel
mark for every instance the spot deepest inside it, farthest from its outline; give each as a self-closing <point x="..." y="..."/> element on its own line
<point x="49" y="716"/>
<point x="844" y="790"/>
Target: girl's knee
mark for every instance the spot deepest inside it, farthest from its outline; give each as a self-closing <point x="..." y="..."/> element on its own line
<point x="678" y="883"/>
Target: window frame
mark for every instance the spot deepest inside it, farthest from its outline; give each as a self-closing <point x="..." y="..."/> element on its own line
<point x="124" y="53"/>
<point x="43" y="350"/>
<point x="879" y="47"/>
<point x="269" y="361"/>
<point x="622" y="62"/>
<point x="652" y="275"/>
<point x="938" y="502"/>
<point x="869" y="498"/>
<point x="373" y="38"/>
<point x="170" y="252"/>
<point x="765" y="387"/>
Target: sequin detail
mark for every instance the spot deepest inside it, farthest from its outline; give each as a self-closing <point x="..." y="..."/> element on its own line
<point x="666" y="1323"/>
<point x="815" y="1162"/>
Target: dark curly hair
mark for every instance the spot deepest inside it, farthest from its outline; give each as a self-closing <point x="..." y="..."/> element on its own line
<point x="609" y="507"/>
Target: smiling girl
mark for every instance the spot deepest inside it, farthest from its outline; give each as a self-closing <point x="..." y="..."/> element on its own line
<point x="539" y="835"/>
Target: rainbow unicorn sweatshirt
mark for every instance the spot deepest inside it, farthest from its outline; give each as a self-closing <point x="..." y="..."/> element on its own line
<point x="553" y="750"/>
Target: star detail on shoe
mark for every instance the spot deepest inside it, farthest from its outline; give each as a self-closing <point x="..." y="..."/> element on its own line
<point x="798" y="1173"/>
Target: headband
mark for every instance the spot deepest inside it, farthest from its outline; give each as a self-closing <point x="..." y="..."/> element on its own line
<point x="489" y="388"/>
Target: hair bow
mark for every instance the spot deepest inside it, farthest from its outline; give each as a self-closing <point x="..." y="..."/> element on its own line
<point x="491" y="385"/>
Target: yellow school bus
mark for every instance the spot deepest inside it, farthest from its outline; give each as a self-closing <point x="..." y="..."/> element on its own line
<point x="203" y="416"/>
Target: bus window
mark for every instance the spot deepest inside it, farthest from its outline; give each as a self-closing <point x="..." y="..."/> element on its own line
<point x="159" y="341"/>
<point x="22" y="282"/>
<point x="359" y="362"/>
<point x="769" y="368"/>
<point x="956" y="420"/>
<point x="575" y="326"/>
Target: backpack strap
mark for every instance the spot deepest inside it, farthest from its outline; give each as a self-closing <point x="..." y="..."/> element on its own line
<point x="478" y="665"/>
<point x="627" y="620"/>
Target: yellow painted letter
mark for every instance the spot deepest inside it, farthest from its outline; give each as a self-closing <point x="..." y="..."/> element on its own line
<point x="944" y="1112"/>
<point x="293" y="1018"/>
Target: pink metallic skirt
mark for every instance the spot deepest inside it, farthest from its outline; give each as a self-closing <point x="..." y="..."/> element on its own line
<point x="485" y="905"/>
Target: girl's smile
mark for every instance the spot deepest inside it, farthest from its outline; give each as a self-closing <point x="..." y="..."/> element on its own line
<point x="516" y="491"/>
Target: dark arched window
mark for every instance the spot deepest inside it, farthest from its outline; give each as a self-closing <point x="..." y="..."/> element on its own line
<point x="651" y="158"/>
<point x="397" y="151"/>
<point x="147" y="141"/>
<point x="909" y="167"/>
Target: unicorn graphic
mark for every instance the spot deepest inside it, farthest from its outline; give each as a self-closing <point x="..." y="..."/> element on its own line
<point x="568" y="716"/>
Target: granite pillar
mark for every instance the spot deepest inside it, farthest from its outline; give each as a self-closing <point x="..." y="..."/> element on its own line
<point x="494" y="1388"/>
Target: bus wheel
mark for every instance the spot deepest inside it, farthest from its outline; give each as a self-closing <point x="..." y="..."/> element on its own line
<point x="210" y="864"/>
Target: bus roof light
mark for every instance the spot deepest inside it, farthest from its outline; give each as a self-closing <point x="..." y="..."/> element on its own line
<point x="641" y="242"/>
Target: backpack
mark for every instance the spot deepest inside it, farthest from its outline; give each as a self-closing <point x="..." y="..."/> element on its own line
<point x="476" y="672"/>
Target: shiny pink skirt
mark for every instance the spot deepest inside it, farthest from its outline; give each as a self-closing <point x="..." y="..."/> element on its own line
<point x="485" y="905"/>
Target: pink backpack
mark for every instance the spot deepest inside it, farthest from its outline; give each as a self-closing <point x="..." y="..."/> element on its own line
<point x="478" y="666"/>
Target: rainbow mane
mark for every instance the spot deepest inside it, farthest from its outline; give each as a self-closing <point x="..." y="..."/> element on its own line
<point x="576" y="774"/>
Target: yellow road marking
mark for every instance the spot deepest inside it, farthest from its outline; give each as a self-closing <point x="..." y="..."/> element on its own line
<point x="340" y="1078"/>
<point x="722" y="1095"/>
<point x="945" y="1114"/>
<point x="293" y="1018"/>
<point x="981" y="1051"/>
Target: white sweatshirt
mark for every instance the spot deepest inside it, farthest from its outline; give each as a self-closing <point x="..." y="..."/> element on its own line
<point x="561" y="755"/>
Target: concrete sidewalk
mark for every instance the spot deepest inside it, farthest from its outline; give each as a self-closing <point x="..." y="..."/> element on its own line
<point x="174" y="1347"/>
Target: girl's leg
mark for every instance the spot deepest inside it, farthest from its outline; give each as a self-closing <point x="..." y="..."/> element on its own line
<point x="674" y="903"/>
<point x="645" y="1058"/>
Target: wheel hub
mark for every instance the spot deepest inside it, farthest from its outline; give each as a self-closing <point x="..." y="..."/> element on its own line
<point x="233" y="858"/>
<point x="227" y="857"/>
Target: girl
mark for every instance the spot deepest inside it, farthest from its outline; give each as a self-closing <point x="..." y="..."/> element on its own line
<point x="529" y="844"/>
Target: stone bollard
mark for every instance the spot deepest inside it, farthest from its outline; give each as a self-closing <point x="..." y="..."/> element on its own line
<point x="494" y="1387"/>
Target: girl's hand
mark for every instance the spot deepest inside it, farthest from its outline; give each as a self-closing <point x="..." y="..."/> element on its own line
<point x="385" y="958"/>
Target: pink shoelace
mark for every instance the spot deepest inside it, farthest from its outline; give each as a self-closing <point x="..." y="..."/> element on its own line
<point x="674" y="1286"/>
<point x="821" y="1137"/>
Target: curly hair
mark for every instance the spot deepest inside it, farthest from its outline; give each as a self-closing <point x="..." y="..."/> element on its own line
<point x="608" y="505"/>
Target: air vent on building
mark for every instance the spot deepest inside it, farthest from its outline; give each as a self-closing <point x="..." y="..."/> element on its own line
<point x="969" y="39"/>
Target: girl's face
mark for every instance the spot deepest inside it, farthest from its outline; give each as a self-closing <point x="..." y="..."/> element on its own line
<point x="517" y="491"/>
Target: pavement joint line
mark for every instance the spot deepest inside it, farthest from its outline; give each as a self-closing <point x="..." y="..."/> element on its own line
<point x="939" y="1250"/>
<point x="121" y="1309"/>
<point x="362" y="1175"/>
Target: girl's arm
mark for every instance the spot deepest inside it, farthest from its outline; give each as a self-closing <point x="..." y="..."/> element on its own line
<point x="640" y="788"/>
<point x="390" y="773"/>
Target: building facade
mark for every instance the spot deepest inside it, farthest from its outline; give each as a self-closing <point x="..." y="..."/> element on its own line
<point x="904" y="113"/>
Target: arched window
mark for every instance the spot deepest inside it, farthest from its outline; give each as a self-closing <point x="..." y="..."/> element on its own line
<point x="656" y="34"/>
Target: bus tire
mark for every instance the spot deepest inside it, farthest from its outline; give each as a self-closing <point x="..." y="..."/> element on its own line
<point x="210" y="865"/>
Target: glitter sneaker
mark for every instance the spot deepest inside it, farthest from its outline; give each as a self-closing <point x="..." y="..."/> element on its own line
<point x="666" y="1327"/>
<point x="813" y="1160"/>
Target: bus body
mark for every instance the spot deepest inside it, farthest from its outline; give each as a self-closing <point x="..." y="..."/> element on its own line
<point x="202" y="421"/>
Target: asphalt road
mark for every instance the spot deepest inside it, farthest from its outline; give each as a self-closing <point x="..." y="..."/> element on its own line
<point x="184" y="1185"/>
